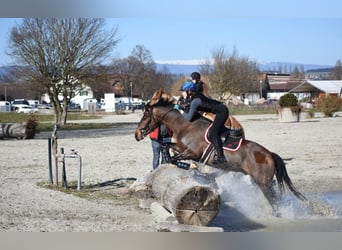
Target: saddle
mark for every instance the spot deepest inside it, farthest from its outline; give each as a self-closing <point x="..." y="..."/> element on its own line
<point x="231" y="138"/>
<point x="231" y="141"/>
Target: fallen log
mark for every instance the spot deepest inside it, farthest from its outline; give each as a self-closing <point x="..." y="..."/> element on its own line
<point x="26" y="130"/>
<point x="12" y="130"/>
<point x="189" y="195"/>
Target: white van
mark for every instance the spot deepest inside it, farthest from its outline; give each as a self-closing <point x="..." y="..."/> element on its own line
<point x="5" y="106"/>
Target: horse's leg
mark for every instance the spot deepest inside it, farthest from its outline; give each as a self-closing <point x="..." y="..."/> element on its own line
<point x="271" y="198"/>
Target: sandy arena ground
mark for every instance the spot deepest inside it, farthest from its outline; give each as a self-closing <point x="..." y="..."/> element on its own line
<point x="311" y="149"/>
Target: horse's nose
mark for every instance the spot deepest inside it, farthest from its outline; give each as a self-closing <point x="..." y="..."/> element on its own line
<point x="138" y="135"/>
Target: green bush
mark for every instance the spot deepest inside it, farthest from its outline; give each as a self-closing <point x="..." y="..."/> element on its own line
<point x="329" y="104"/>
<point x="288" y="100"/>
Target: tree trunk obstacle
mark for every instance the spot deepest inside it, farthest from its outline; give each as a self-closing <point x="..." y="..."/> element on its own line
<point x="14" y="130"/>
<point x="189" y="195"/>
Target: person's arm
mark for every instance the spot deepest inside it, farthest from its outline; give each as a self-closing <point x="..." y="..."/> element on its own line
<point x="193" y="109"/>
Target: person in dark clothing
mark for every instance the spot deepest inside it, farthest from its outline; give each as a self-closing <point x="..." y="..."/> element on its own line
<point x="199" y="102"/>
<point x="159" y="137"/>
<point x="183" y="102"/>
<point x="196" y="79"/>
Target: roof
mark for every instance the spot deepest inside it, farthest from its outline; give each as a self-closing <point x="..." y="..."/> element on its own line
<point x="282" y="82"/>
<point x="329" y="87"/>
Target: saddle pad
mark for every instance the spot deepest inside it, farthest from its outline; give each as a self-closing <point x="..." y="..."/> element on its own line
<point x="229" y="143"/>
<point x="232" y="143"/>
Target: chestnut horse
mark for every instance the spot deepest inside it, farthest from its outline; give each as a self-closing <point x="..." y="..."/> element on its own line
<point x="251" y="158"/>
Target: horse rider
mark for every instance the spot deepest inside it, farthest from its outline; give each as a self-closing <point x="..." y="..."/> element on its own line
<point x="183" y="102"/>
<point x="199" y="102"/>
<point x="196" y="79"/>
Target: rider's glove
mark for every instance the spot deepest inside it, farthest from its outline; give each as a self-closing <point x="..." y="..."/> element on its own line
<point x="176" y="106"/>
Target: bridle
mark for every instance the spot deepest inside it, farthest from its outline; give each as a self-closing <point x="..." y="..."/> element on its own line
<point x="147" y="128"/>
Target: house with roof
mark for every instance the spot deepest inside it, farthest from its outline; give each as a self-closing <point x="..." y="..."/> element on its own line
<point x="271" y="86"/>
<point x="316" y="89"/>
<point x="277" y="85"/>
<point x="82" y="96"/>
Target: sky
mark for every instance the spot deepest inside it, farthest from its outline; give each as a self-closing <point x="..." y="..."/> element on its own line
<point x="303" y="32"/>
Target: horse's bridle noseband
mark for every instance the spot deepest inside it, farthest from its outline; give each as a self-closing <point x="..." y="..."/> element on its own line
<point x="148" y="129"/>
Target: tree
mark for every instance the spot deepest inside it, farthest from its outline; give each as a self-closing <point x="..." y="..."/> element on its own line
<point x="98" y="79"/>
<point x="58" y="52"/>
<point x="143" y="69"/>
<point x="338" y="70"/>
<point x="231" y="74"/>
<point x="139" y="71"/>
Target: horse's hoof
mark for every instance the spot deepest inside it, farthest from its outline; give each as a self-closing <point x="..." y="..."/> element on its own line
<point x="193" y="165"/>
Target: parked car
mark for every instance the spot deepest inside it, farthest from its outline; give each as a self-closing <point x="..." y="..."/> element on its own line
<point x="74" y="107"/>
<point x="25" y="109"/>
<point x="18" y="103"/>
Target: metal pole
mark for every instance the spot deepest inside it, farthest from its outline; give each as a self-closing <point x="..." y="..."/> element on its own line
<point x="50" y="160"/>
<point x="79" y="174"/>
<point x="74" y="154"/>
<point x="131" y="104"/>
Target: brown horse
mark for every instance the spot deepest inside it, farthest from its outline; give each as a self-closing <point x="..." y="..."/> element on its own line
<point x="252" y="158"/>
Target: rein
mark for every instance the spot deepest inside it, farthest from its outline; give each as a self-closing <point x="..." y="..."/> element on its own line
<point x="147" y="129"/>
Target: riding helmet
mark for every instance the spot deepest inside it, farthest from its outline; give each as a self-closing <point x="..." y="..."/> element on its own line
<point x="185" y="86"/>
<point x="191" y="87"/>
<point x="195" y="76"/>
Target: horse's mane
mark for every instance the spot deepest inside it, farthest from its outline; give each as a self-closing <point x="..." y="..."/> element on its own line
<point x="160" y="98"/>
<point x="167" y="100"/>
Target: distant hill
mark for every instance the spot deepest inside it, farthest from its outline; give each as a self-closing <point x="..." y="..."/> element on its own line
<point x="4" y="71"/>
<point x="320" y="70"/>
<point x="178" y="69"/>
<point x="276" y="65"/>
<point x="184" y="69"/>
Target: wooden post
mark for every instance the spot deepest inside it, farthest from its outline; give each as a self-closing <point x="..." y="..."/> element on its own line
<point x="64" y="178"/>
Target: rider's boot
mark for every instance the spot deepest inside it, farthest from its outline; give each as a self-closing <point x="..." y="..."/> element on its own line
<point x="220" y="161"/>
<point x="165" y="153"/>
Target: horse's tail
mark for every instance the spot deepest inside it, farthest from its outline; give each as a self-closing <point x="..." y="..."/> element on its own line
<point x="282" y="176"/>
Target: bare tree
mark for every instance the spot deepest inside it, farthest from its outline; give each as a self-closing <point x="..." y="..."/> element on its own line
<point x="58" y="52"/>
<point x="231" y="74"/>
<point x="143" y="69"/>
<point x="99" y="80"/>
<point x="138" y="71"/>
<point x="337" y="70"/>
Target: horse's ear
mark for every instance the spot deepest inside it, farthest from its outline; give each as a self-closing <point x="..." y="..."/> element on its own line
<point x="156" y="97"/>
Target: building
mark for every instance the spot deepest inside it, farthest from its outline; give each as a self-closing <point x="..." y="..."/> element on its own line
<point x="81" y="96"/>
<point x="315" y="89"/>
<point x="279" y="84"/>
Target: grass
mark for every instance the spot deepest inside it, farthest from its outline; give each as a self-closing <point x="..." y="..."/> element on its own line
<point x="46" y="121"/>
<point x="115" y="193"/>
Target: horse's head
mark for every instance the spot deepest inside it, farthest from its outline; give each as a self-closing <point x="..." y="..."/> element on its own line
<point x="152" y="117"/>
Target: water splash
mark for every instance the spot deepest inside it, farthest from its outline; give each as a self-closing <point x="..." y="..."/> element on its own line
<point x="316" y="207"/>
<point x="239" y="191"/>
